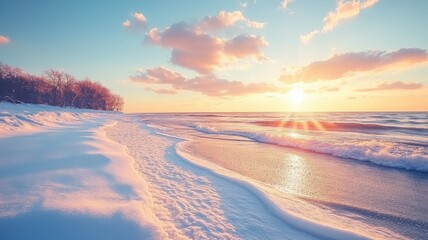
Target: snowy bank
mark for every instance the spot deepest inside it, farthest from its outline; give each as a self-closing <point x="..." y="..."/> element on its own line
<point x="30" y="117"/>
<point x="67" y="180"/>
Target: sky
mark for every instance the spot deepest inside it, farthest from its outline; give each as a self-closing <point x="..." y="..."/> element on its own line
<point x="230" y="55"/>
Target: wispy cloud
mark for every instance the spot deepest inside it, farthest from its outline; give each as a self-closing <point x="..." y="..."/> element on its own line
<point x="205" y="84"/>
<point x="161" y="90"/>
<point x="347" y="64"/>
<point x="308" y="37"/>
<point x="284" y="4"/>
<point x="227" y="19"/>
<point x="397" y="85"/>
<point x="4" y="39"/>
<point x="137" y="22"/>
<point x="329" y="89"/>
<point x="345" y="9"/>
<point x="243" y="4"/>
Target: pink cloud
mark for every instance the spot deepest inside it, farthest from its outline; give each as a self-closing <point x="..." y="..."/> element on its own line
<point x="137" y="22"/>
<point x="245" y="45"/>
<point x="227" y="19"/>
<point x="126" y="24"/>
<point x="162" y="90"/>
<point x="200" y="51"/>
<point x="4" y="39"/>
<point x="398" y="85"/>
<point x="346" y="64"/>
<point x="254" y="24"/>
<point x="190" y="49"/>
<point x="222" y="20"/>
<point x="205" y="84"/>
<point x="345" y="10"/>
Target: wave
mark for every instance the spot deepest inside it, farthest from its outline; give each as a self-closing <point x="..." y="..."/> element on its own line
<point x="333" y="126"/>
<point x="388" y="154"/>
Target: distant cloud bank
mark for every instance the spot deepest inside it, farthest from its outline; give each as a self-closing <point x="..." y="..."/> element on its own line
<point x="398" y="85"/>
<point x="205" y="84"/>
<point x="346" y="64"/>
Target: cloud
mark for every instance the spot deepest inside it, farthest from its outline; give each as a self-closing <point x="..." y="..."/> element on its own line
<point x="227" y="19"/>
<point x="243" y="4"/>
<point x="4" y="39"/>
<point x="200" y="51"/>
<point x="329" y="89"/>
<point x="205" y="84"/>
<point x="137" y="22"/>
<point x="254" y="24"/>
<point x="308" y="37"/>
<point x="345" y="10"/>
<point x="190" y="49"/>
<point x="245" y="45"/>
<point x="126" y="24"/>
<point x="347" y="64"/>
<point x="397" y="85"/>
<point x="162" y="90"/>
<point x="284" y="4"/>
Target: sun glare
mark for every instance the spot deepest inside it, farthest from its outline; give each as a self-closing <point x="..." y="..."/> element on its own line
<point x="296" y="95"/>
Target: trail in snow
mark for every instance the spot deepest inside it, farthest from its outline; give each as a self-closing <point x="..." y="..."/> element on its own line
<point x="191" y="202"/>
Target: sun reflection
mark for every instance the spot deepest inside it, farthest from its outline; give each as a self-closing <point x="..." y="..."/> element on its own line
<point x="295" y="135"/>
<point x="302" y="125"/>
<point x="294" y="174"/>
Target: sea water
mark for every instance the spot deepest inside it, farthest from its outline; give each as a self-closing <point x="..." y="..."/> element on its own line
<point x="371" y="167"/>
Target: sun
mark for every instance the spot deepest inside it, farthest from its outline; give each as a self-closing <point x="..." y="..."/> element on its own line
<point x="297" y="95"/>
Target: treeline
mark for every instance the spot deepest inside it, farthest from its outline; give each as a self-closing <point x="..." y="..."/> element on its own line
<point x="55" y="88"/>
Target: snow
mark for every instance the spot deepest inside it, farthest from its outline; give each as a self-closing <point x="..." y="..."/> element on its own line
<point x="82" y="174"/>
<point x="68" y="181"/>
<point x="31" y="118"/>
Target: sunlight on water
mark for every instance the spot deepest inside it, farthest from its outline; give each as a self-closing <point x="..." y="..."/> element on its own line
<point x="295" y="135"/>
<point x="336" y="160"/>
<point x="294" y="174"/>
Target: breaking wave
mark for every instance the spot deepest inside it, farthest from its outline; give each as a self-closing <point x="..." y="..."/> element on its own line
<point x="389" y="154"/>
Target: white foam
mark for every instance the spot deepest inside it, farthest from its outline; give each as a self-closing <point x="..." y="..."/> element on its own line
<point x="379" y="152"/>
<point x="301" y="215"/>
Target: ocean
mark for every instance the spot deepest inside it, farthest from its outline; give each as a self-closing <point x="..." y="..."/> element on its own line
<point x="369" y="168"/>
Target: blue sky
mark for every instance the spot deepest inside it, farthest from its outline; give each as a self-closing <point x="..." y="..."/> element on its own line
<point x="87" y="39"/>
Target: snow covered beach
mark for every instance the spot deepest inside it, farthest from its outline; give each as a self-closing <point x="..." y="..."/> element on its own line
<point x="83" y="174"/>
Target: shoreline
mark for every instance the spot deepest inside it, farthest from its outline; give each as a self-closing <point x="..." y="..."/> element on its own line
<point x="121" y="168"/>
<point x="275" y="203"/>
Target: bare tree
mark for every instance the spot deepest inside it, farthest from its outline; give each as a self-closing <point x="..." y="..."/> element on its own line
<point x="55" y="88"/>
